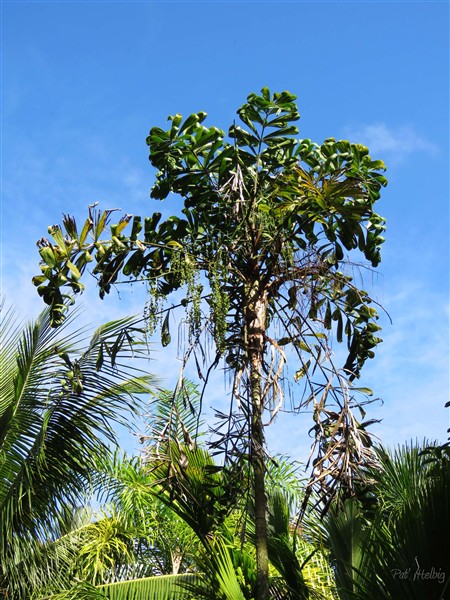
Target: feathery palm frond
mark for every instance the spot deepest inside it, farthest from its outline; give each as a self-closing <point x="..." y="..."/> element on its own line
<point x="221" y="578"/>
<point x="410" y="532"/>
<point x="164" y="543"/>
<point x="393" y="543"/>
<point x="58" y="402"/>
<point x="184" y="475"/>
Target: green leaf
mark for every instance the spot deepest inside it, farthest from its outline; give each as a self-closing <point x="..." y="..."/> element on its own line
<point x="99" y="361"/>
<point x="48" y="256"/>
<point x="117" y="229"/>
<point x="86" y="229"/>
<point x="339" y="328"/>
<point x="158" y="587"/>
<point x="165" y="332"/>
<point x="136" y="228"/>
<point x="327" y="320"/>
<point x="242" y="137"/>
<point x="281" y="133"/>
<point x="75" y="272"/>
<point x="150" y="224"/>
<point x="377" y="165"/>
<point x="363" y="390"/>
<point x="192" y="121"/>
<point x="101" y="223"/>
<point x="39" y="279"/>
<point x="265" y="92"/>
<point x="303" y="371"/>
<point x="134" y="263"/>
<point x="56" y="232"/>
<point x="303" y="345"/>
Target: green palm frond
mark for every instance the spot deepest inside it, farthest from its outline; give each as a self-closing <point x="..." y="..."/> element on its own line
<point x="107" y="548"/>
<point x="221" y="577"/>
<point x="163" y="587"/>
<point x="188" y="481"/>
<point x="316" y="570"/>
<point x="348" y="533"/>
<point x="380" y="544"/>
<point x="184" y="475"/>
<point x="123" y="481"/>
<point x="57" y="409"/>
<point x="410" y="534"/>
<point x="176" y="415"/>
<point x="80" y="590"/>
<point x="225" y="573"/>
<point x="281" y="549"/>
<point x="283" y="474"/>
<point x="400" y="472"/>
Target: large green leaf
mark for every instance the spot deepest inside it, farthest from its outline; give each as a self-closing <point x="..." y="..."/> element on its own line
<point x="162" y="587"/>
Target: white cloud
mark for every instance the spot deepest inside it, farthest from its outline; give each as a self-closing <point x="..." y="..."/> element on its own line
<point x="398" y="142"/>
<point x="411" y="368"/>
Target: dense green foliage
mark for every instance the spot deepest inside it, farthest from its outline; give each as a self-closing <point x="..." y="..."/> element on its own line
<point x="57" y="414"/>
<point x="392" y="541"/>
<point x="264" y="203"/>
<point x="176" y="525"/>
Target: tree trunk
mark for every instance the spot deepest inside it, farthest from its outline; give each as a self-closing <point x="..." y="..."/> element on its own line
<point x="255" y="323"/>
<point x="177" y="557"/>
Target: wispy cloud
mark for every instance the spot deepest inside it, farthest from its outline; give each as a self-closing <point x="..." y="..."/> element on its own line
<point x="410" y="371"/>
<point x="398" y="142"/>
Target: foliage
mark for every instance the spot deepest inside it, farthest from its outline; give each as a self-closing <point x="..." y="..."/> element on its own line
<point x="57" y="409"/>
<point x="163" y="587"/>
<point x="392" y="542"/>
<point x="264" y="214"/>
<point x="212" y="499"/>
<point x="266" y="222"/>
<point x="164" y="543"/>
<point x="184" y="475"/>
<point x="119" y="555"/>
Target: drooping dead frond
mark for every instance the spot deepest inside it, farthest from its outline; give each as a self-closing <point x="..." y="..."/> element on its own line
<point x="341" y="451"/>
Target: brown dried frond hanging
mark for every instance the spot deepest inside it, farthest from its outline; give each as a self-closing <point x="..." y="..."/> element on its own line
<point x="272" y="393"/>
<point x="341" y="451"/>
<point x="234" y="189"/>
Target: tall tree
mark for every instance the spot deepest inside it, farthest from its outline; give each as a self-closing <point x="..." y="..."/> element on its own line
<point x="265" y="224"/>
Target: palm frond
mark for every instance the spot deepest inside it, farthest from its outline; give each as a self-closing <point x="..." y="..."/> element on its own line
<point x="219" y="579"/>
<point x="175" y="415"/>
<point x="410" y="533"/>
<point x="57" y="408"/>
<point x="163" y="587"/>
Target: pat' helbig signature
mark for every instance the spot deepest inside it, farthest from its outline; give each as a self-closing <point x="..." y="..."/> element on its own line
<point x="419" y="574"/>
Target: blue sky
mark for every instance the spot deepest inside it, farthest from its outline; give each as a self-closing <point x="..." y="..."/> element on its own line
<point x="83" y="82"/>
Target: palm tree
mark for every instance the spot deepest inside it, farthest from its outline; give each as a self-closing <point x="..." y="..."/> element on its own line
<point x="59" y="402"/>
